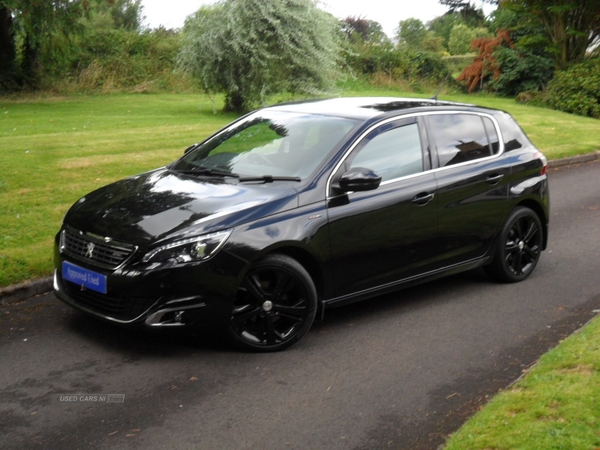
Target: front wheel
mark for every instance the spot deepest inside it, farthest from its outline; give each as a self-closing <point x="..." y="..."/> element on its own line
<point x="275" y="305"/>
<point x="518" y="247"/>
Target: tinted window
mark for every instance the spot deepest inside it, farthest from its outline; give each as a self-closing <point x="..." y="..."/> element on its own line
<point x="270" y="143"/>
<point x="491" y="134"/>
<point x="461" y="137"/>
<point x="393" y="153"/>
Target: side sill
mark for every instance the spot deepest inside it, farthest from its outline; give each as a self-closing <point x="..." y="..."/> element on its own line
<point x="404" y="283"/>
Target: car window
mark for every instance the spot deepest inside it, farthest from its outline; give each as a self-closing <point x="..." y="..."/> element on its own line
<point x="275" y="144"/>
<point x="393" y="153"/>
<point x="462" y="137"/>
<point x="492" y="135"/>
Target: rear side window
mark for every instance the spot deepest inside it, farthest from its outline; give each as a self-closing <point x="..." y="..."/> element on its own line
<point x="463" y="137"/>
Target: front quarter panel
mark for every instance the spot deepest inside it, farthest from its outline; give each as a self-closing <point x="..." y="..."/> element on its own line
<point x="300" y="233"/>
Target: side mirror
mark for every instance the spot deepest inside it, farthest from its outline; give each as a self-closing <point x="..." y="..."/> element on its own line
<point x="359" y="179"/>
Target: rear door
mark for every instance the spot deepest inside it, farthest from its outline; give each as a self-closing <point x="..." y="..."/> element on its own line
<point x="472" y="180"/>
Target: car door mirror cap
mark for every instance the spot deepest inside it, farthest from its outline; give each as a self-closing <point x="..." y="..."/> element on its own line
<point x="359" y="179"/>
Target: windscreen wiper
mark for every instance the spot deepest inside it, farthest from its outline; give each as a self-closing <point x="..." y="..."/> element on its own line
<point x="268" y="179"/>
<point x="199" y="170"/>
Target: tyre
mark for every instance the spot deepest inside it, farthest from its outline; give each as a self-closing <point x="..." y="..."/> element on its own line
<point x="275" y="305"/>
<point x="518" y="247"/>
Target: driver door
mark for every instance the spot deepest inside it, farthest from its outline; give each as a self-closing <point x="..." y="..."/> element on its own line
<point x="381" y="236"/>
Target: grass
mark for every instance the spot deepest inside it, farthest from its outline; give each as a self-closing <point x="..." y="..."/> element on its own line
<point x="55" y="150"/>
<point x="555" y="406"/>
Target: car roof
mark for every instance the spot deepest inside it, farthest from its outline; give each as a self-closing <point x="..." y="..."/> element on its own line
<point x="365" y="107"/>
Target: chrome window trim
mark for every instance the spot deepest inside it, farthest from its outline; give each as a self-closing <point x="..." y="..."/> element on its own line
<point x="437" y="169"/>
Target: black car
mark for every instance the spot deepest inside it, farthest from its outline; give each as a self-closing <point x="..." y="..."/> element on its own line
<point x="299" y="207"/>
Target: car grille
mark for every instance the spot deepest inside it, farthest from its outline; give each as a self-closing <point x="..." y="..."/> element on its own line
<point x="114" y="307"/>
<point x="95" y="250"/>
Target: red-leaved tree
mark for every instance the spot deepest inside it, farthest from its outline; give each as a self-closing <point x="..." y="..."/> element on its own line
<point x="484" y="63"/>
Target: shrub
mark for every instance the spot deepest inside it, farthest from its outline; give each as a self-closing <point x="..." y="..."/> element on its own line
<point x="114" y="59"/>
<point x="520" y="72"/>
<point x="401" y="64"/>
<point x="577" y="89"/>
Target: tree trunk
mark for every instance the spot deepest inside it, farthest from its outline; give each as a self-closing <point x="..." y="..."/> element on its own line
<point x="30" y="66"/>
<point x="8" y="54"/>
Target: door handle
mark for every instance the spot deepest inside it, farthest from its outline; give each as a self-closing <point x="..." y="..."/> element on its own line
<point x="494" y="179"/>
<point x="422" y="199"/>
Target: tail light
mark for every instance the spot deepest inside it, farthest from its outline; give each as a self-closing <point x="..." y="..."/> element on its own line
<point x="541" y="157"/>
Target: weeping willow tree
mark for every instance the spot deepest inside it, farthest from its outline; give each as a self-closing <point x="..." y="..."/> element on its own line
<point x="250" y="49"/>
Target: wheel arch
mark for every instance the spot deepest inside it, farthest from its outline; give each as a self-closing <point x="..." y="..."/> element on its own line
<point x="541" y="213"/>
<point x="309" y="262"/>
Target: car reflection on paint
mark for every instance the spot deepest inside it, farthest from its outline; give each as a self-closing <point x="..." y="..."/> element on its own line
<point x="300" y="207"/>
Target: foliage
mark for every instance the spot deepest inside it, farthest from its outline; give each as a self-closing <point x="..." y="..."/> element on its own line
<point x="568" y="28"/>
<point x="417" y="65"/>
<point x="577" y="90"/>
<point x="411" y="33"/>
<point x="461" y="37"/>
<point x="41" y="40"/>
<point x="114" y="59"/>
<point x="412" y="66"/>
<point x="442" y="26"/>
<point x="433" y="44"/>
<point x="520" y="72"/>
<point x="470" y="15"/>
<point x="34" y="33"/>
<point x="457" y="64"/>
<point x="485" y="64"/>
<point x="359" y="30"/>
<point x="124" y="14"/>
<point x="251" y="49"/>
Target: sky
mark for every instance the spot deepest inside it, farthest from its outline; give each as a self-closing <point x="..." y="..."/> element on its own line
<point x="172" y="13"/>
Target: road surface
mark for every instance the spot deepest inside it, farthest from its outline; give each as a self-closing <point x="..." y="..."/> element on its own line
<point x="400" y="371"/>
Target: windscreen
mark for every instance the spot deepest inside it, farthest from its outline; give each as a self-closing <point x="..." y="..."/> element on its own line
<point x="270" y="144"/>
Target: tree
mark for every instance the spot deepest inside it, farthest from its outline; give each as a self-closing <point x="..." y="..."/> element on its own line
<point x="30" y="30"/>
<point x="460" y="39"/>
<point x="411" y="33"/>
<point x="250" y="49"/>
<point x="570" y="26"/>
<point x="366" y="31"/>
<point x="470" y="15"/>
<point x="442" y="26"/>
<point x="123" y="14"/>
<point x="485" y="63"/>
<point x="462" y="36"/>
<point x="38" y="37"/>
<point x="8" y="67"/>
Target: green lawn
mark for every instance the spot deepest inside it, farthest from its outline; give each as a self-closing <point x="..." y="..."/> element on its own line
<point x="555" y="406"/>
<point x="55" y="150"/>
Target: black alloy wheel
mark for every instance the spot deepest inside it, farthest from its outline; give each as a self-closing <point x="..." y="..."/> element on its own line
<point x="275" y="305"/>
<point x="518" y="247"/>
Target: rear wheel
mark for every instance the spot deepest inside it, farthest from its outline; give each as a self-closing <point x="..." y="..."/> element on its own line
<point x="275" y="305"/>
<point x="518" y="247"/>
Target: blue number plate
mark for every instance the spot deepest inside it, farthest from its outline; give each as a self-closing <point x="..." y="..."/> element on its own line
<point x="84" y="277"/>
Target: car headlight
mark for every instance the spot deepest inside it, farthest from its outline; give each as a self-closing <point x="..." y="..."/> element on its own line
<point x="194" y="249"/>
